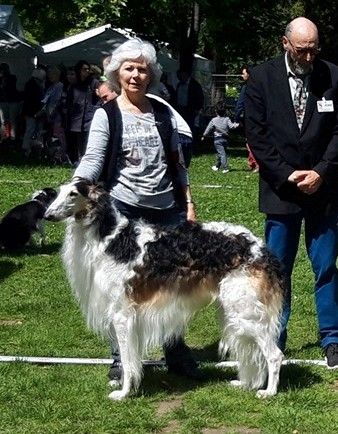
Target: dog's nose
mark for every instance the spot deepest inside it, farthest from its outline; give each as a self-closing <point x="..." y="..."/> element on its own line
<point x="49" y="216"/>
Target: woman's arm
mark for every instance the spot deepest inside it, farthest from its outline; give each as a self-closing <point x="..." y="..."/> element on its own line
<point x="92" y="162"/>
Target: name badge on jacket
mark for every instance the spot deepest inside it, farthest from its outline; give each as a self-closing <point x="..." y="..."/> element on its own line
<point x="325" y="105"/>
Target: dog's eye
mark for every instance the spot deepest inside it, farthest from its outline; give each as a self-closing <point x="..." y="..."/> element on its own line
<point x="73" y="194"/>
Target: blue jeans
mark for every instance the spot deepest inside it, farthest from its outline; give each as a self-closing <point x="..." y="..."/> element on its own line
<point x="220" y="145"/>
<point x="282" y="233"/>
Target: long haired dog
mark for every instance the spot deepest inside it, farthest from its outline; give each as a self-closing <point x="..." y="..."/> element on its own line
<point x="21" y="222"/>
<point x="139" y="284"/>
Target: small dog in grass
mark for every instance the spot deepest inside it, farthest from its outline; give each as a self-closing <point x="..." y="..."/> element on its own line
<point x="139" y="284"/>
<point x="22" y="221"/>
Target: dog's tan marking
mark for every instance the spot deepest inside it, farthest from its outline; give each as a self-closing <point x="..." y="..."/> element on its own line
<point x="268" y="290"/>
<point x="197" y="288"/>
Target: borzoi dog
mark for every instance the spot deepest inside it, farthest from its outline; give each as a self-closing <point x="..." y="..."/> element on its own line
<point x="139" y="284"/>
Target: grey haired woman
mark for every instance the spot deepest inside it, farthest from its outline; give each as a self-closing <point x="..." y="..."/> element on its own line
<point x="139" y="158"/>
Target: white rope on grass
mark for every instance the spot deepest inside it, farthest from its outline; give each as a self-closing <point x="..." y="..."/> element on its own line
<point x="88" y="361"/>
<point x="69" y="360"/>
<point x="285" y="362"/>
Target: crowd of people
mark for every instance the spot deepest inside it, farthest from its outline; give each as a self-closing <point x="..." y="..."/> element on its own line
<point x="119" y="130"/>
<point x="57" y="105"/>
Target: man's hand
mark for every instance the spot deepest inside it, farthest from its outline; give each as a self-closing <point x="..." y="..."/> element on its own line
<point x="308" y="181"/>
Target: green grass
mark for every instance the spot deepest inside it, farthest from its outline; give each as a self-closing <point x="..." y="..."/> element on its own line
<point x="39" y="317"/>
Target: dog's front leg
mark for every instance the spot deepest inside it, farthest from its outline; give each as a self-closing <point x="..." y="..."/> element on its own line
<point x="130" y="358"/>
<point x="41" y="232"/>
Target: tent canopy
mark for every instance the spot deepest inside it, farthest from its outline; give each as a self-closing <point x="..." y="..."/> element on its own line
<point x="14" y="49"/>
<point x="93" y="46"/>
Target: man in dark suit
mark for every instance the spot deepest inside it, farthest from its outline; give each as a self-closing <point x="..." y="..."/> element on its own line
<point x="291" y="110"/>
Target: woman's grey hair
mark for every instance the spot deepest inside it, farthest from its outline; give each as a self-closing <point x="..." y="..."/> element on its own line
<point x="132" y="50"/>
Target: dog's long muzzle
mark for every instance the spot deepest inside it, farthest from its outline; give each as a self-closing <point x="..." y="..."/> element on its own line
<point x="49" y="215"/>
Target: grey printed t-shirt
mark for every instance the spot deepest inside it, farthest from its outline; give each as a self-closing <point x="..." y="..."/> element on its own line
<point x="141" y="177"/>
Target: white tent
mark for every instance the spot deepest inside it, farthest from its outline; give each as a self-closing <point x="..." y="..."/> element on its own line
<point x="96" y="44"/>
<point x="93" y="46"/>
<point x="14" y="49"/>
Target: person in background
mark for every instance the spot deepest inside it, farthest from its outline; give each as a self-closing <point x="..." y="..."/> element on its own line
<point x="95" y="71"/>
<point x="105" y="92"/>
<point x="219" y="127"/>
<point x="9" y="103"/>
<point x="240" y="117"/>
<point x="81" y="103"/>
<point x="70" y="76"/>
<point x="144" y="172"/>
<point x="189" y="97"/>
<point x="52" y="102"/>
<point x="291" y="112"/>
<point x="34" y="92"/>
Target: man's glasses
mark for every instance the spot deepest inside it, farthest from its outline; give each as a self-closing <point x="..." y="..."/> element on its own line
<point x="303" y="51"/>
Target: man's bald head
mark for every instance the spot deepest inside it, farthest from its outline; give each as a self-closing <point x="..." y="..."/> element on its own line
<point x="300" y="41"/>
<point x="302" y="27"/>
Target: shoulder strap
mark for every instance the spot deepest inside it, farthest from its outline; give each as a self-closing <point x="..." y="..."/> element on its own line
<point x="115" y="138"/>
<point x="163" y="123"/>
<point x="165" y="129"/>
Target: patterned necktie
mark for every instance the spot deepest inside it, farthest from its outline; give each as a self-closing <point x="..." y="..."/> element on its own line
<point x="299" y="101"/>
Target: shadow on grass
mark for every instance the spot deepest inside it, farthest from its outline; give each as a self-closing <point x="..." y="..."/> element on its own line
<point x="156" y="380"/>
<point x="295" y="377"/>
<point x="7" y="268"/>
<point x="292" y="377"/>
<point x="47" y="249"/>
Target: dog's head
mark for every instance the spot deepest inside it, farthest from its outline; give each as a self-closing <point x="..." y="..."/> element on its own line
<point x="45" y="196"/>
<point x="75" y="199"/>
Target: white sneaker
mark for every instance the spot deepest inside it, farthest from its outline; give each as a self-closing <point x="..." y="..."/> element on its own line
<point x="225" y="170"/>
<point x="214" y="168"/>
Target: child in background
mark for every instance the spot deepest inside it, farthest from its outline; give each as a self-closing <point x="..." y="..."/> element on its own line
<point x="219" y="126"/>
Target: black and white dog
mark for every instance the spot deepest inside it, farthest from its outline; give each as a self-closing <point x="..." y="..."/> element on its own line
<point x="139" y="284"/>
<point x="22" y="221"/>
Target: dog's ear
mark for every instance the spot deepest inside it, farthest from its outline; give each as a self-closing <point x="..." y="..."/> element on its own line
<point x="83" y="186"/>
<point x="50" y="192"/>
<point x="95" y="191"/>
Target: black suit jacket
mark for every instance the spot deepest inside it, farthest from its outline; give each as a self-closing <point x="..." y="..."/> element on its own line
<point x="280" y="147"/>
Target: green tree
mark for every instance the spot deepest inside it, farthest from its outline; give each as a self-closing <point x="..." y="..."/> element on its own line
<point x="60" y="18"/>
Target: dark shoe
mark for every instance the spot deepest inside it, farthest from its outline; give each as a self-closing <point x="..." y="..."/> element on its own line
<point x="331" y="352"/>
<point x="186" y="370"/>
<point x="115" y="373"/>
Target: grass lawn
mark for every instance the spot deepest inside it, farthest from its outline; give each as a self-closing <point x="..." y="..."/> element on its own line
<point x="39" y="317"/>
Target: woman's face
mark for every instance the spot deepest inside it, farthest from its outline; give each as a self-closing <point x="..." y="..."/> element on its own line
<point x="71" y="76"/>
<point x="134" y="76"/>
<point x="84" y="72"/>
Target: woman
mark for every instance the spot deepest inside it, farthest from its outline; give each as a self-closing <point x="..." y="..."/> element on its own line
<point x="80" y="107"/>
<point x="139" y="161"/>
<point x="52" y="107"/>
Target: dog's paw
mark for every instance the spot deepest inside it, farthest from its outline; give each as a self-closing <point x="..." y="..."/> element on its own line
<point x="263" y="394"/>
<point x="117" y="395"/>
<point x="114" y="383"/>
<point x="236" y="383"/>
